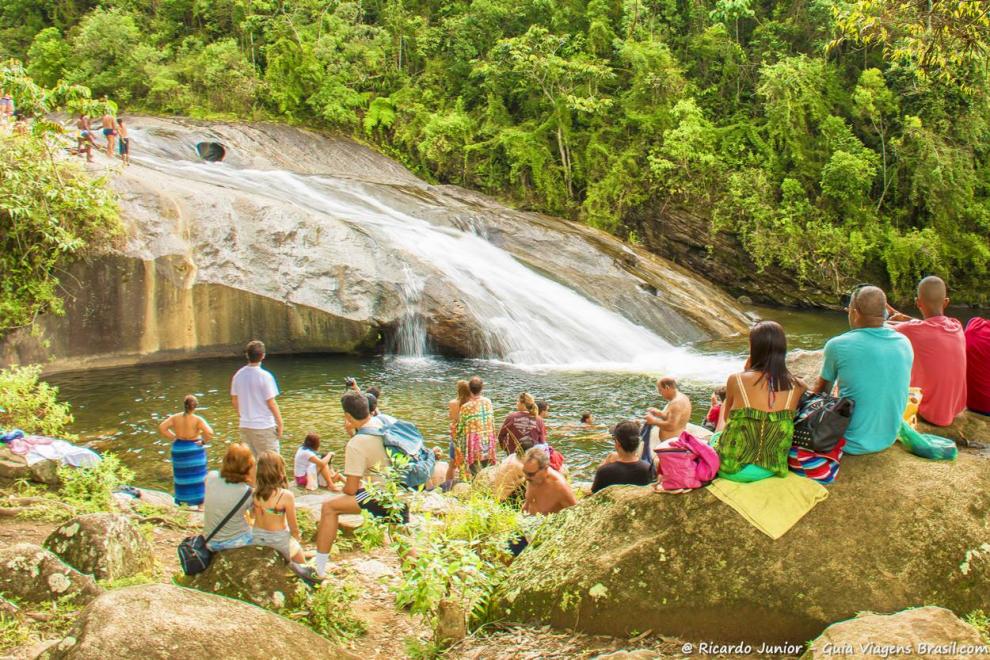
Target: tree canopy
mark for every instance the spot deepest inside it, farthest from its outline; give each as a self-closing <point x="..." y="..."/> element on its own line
<point x="834" y="138"/>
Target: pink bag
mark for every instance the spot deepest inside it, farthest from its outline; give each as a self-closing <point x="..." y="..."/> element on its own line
<point x="686" y="463"/>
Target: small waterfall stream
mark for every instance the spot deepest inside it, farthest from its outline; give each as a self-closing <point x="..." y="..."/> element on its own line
<point x="527" y="319"/>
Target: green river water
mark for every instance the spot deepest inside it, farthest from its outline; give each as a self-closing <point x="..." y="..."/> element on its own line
<point x="119" y="410"/>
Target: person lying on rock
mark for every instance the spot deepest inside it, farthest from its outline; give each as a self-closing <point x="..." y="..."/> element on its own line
<point x="365" y="460"/>
<point x="672" y="420"/>
<point x="546" y="489"/>
<point x="628" y="468"/>
<point x="939" y="346"/>
<point x="311" y="470"/>
<point x="872" y="364"/>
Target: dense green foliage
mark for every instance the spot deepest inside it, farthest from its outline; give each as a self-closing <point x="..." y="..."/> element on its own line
<point x="834" y="137"/>
<point x="30" y="404"/>
<point x="50" y="211"/>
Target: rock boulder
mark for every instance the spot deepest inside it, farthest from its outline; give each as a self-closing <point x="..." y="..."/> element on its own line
<point x="254" y="574"/>
<point x="108" y="546"/>
<point x="14" y="467"/>
<point x="896" y="531"/>
<point x="160" y="622"/>
<point x="32" y="574"/>
<point x="926" y="631"/>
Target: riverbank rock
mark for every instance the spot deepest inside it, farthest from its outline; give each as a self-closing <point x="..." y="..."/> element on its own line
<point x="254" y="574"/>
<point x="14" y="467"/>
<point x="161" y="622"/>
<point x="31" y="573"/>
<point x="896" y="531"/>
<point x="926" y="631"/>
<point x="106" y="545"/>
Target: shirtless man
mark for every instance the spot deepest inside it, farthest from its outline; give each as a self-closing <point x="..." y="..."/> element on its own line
<point x="109" y="132"/>
<point x="672" y="420"/>
<point x="85" y="141"/>
<point x="546" y="490"/>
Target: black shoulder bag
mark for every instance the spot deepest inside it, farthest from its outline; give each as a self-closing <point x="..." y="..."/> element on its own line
<point x="194" y="555"/>
<point x="821" y="421"/>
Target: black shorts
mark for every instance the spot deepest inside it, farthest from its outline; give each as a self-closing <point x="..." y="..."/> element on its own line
<point x="372" y="506"/>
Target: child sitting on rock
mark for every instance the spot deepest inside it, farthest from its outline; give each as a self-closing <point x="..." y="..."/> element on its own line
<point x="275" y="523"/>
<point x="312" y="470"/>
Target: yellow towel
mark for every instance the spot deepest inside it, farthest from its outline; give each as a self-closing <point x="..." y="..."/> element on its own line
<point x="772" y="505"/>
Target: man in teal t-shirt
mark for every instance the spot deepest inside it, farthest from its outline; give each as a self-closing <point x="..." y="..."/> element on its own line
<point x="872" y="364"/>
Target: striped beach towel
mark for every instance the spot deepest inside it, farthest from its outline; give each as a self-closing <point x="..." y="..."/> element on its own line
<point x="823" y="468"/>
<point x="189" y="472"/>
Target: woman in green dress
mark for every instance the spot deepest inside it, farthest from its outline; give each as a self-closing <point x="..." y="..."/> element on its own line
<point x="757" y="426"/>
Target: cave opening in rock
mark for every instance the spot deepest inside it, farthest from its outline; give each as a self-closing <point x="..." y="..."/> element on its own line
<point x="213" y="152"/>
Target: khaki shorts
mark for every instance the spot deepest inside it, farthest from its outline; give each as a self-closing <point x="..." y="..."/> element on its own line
<point x="260" y="440"/>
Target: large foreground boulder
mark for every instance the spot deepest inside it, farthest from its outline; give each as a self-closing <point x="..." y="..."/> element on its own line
<point x="254" y="574"/>
<point x="32" y="574"/>
<point x="925" y="631"/>
<point x="160" y="621"/>
<point x="106" y="545"/>
<point x="896" y="531"/>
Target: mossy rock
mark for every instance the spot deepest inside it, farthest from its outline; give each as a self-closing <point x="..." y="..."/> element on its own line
<point x="254" y="574"/>
<point x="108" y="546"/>
<point x="32" y="574"/>
<point x="14" y="467"/>
<point x="922" y="631"/>
<point x="162" y="621"/>
<point x="896" y="531"/>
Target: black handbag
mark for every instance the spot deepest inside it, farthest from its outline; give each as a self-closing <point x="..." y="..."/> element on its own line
<point x="821" y="421"/>
<point x="194" y="555"/>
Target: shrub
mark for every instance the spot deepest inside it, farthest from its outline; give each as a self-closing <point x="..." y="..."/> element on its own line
<point x="31" y="404"/>
<point x="91" y="489"/>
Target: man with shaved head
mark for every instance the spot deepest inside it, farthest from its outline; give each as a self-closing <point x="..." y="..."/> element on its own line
<point x="872" y="365"/>
<point x="939" y="353"/>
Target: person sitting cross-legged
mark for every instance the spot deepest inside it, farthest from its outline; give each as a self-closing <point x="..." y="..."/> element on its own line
<point x="629" y="468"/>
<point x="365" y="460"/>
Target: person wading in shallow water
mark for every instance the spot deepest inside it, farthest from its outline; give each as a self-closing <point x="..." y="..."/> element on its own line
<point x="672" y="420"/>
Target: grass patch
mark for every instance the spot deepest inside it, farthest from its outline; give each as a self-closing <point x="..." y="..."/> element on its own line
<point x="12" y="632"/>
<point x="981" y="621"/>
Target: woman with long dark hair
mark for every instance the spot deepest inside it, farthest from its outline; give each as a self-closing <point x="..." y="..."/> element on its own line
<point x="758" y="419"/>
<point x="188" y="431"/>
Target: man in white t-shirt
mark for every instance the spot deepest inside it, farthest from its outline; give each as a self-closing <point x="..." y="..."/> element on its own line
<point x="365" y="460"/>
<point x="253" y="391"/>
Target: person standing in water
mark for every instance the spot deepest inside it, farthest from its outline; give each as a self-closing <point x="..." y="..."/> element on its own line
<point x="188" y="432"/>
<point x="454" y="413"/>
<point x="476" y="438"/>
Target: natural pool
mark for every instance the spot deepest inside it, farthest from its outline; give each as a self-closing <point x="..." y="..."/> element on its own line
<point x="120" y="409"/>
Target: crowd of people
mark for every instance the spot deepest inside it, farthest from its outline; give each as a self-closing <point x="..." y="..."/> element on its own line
<point x="875" y="364"/>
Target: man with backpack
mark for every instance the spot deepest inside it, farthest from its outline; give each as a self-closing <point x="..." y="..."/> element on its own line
<point x="365" y="461"/>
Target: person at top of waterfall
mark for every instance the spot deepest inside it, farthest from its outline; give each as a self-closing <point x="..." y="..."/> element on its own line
<point x="109" y="125"/>
<point x="229" y="490"/>
<point x="714" y="413"/>
<point x="311" y="470"/>
<point x="755" y="434"/>
<point x="365" y="461"/>
<point x="85" y="141"/>
<point x="453" y="414"/>
<point x="252" y="393"/>
<point x="546" y="489"/>
<point x="123" y="142"/>
<point x="872" y="364"/>
<point x="275" y="523"/>
<point x="669" y="423"/>
<point x="939" y="346"/>
<point x="188" y="431"/>
<point x="475" y="432"/>
<point x="629" y="467"/>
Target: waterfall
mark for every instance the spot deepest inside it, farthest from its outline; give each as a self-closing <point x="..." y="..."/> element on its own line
<point x="527" y="319"/>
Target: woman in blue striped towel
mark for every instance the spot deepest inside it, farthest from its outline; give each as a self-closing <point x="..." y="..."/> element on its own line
<point x="188" y="432"/>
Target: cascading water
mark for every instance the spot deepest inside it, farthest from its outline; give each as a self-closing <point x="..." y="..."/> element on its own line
<point x="526" y="318"/>
<point x="410" y="340"/>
